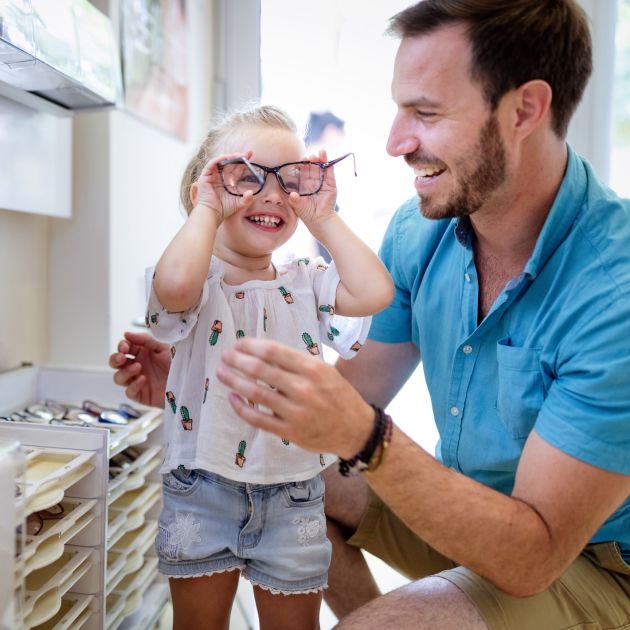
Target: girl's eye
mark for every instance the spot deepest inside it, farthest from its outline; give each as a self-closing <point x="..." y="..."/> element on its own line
<point x="248" y="179"/>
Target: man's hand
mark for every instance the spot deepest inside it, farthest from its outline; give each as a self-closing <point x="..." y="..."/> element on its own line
<point x="312" y="404"/>
<point x="144" y="377"/>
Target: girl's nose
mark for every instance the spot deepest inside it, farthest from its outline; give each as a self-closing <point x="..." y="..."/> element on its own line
<point x="272" y="191"/>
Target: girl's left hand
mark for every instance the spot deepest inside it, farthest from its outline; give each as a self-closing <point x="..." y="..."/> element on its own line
<point x="315" y="209"/>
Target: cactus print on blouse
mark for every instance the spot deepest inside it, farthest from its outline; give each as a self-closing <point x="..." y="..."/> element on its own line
<point x="297" y="310"/>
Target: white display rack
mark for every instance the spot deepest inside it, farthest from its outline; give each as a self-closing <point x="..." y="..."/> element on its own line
<point x="11" y="544"/>
<point x="68" y="577"/>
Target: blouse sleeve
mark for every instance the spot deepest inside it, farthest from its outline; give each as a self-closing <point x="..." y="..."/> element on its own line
<point x="346" y="335"/>
<point x="167" y="326"/>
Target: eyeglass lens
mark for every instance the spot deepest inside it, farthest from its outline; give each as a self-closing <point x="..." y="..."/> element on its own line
<point x="304" y="179"/>
<point x="240" y="176"/>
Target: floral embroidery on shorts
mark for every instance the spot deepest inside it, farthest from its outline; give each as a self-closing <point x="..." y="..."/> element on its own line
<point x="309" y="529"/>
<point x="184" y="532"/>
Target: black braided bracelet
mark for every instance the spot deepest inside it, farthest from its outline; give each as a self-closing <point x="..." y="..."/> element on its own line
<point x="361" y="461"/>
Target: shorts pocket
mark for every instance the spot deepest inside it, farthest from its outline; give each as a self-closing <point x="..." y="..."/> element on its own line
<point x="181" y="482"/>
<point x="521" y="390"/>
<point x="304" y="493"/>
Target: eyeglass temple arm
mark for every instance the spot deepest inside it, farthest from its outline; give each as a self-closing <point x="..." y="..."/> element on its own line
<point x="343" y="157"/>
<point x="244" y="160"/>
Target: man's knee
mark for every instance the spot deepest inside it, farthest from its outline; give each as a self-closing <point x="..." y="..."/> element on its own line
<point x="431" y="602"/>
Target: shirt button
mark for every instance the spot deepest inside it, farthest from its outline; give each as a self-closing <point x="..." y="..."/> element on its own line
<point x="467" y="276"/>
<point x="454" y="411"/>
<point x="467" y="349"/>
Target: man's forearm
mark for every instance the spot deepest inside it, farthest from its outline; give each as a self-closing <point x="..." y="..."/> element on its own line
<point x="499" y="537"/>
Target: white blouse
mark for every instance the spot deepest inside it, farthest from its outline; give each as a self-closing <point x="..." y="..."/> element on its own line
<point x="202" y="430"/>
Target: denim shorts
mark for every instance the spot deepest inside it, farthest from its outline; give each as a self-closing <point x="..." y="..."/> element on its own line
<point x="274" y="534"/>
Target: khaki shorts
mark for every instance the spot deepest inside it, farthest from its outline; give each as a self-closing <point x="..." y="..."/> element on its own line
<point x="592" y="594"/>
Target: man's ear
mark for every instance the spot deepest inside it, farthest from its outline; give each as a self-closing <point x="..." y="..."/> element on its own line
<point x="194" y="190"/>
<point x="532" y="103"/>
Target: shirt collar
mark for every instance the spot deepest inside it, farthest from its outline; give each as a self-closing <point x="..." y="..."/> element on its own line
<point x="565" y="208"/>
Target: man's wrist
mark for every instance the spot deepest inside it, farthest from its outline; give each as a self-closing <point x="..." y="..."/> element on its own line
<point x="370" y="457"/>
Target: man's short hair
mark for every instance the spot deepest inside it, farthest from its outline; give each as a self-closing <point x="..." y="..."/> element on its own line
<point x="515" y="41"/>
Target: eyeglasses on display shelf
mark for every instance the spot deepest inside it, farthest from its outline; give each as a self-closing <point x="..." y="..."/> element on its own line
<point x="89" y="414"/>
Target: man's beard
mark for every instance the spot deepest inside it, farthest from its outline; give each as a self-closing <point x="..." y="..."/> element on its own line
<point x="482" y="171"/>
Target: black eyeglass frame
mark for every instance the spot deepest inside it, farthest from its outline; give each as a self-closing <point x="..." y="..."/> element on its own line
<point x="275" y="170"/>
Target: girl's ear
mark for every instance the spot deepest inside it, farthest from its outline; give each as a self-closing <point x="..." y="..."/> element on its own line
<point x="194" y="189"/>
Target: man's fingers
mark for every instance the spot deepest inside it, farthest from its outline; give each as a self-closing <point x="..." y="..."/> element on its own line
<point x="258" y="370"/>
<point x="259" y="419"/>
<point x="277" y="354"/>
<point x="254" y="392"/>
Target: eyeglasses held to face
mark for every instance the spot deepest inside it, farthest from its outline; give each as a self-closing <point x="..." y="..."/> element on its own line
<point x="240" y="176"/>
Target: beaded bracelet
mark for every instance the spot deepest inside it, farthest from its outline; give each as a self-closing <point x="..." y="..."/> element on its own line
<point x="371" y="455"/>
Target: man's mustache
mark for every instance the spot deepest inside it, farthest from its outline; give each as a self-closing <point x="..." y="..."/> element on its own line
<point x="420" y="157"/>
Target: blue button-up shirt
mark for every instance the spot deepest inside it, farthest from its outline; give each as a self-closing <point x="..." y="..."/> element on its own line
<point x="553" y="353"/>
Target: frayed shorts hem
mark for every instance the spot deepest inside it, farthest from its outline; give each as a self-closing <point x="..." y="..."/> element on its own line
<point x="199" y="568"/>
<point x="284" y="587"/>
<point x="183" y="570"/>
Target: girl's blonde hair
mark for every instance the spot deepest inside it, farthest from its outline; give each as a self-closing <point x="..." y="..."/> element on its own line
<point x="263" y="115"/>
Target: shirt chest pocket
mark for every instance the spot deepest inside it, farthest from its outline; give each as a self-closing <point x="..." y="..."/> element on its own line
<point x="521" y="390"/>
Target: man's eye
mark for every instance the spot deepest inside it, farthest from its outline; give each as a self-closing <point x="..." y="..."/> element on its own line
<point x="424" y="114"/>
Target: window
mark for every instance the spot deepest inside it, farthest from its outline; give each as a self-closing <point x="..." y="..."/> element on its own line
<point x="620" y="162"/>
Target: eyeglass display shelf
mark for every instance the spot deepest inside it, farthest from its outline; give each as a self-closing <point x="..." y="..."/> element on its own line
<point x="134" y="584"/>
<point x="72" y="614"/>
<point x="48" y="544"/>
<point x="50" y="472"/>
<point x="133" y="476"/>
<point x="154" y="599"/>
<point x="11" y="544"/>
<point x="131" y="509"/>
<point x="28" y="385"/>
<point x="133" y="505"/>
<point x="46" y="586"/>
<point x="128" y="553"/>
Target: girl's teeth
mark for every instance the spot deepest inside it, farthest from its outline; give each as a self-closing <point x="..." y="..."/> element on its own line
<point x="265" y="220"/>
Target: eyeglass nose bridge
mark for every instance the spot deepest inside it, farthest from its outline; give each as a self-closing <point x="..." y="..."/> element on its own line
<point x="263" y="181"/>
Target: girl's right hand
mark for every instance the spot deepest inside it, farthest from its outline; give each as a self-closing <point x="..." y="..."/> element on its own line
<point x="208" y="190"/>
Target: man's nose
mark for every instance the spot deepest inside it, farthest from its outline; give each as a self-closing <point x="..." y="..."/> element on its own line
<point x="402" y="139"/>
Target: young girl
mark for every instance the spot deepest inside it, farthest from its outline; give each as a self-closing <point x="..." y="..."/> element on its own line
<point x="236" y="497"/>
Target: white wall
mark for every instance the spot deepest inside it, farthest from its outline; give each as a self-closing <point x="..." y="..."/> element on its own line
<point x="23" y="288"/>
<point x="126" y="183"/>
<point x="145" y="173"/>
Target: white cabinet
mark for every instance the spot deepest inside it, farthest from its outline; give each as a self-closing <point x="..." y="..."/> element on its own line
<point x="90" y="497"/>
